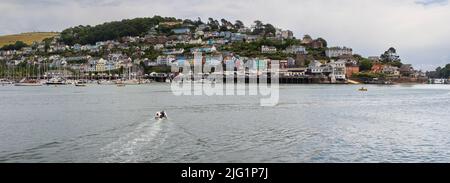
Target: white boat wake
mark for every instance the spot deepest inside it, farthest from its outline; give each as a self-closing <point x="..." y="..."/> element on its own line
<point x="130" y="148"/>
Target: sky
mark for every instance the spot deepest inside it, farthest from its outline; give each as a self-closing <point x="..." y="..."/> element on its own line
<point x="418" y="29"/>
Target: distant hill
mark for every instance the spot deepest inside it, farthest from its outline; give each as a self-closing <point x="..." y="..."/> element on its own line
<point x="113" y="30"/>
<point x="27" y="38"/>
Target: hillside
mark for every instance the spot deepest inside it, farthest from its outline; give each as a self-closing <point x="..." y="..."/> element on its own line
<point x="112" y="30"/>
<point x="27" y="38"/>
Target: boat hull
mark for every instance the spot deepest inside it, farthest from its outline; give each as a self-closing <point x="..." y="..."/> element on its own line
<point x="55" y="83"/>
<point x="27" y="84"/>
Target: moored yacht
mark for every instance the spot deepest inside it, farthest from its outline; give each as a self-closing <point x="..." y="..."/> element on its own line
<point x="56" y="81"/>
<point x="28" y="82"/>
<point x="4" y="82"/>
<point x="131" y="82"/>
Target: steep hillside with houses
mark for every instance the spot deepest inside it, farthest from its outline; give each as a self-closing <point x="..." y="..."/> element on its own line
<point x="158" y="44"/>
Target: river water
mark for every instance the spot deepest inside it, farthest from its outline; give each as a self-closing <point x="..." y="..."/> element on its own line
<point x="311" y="123"/>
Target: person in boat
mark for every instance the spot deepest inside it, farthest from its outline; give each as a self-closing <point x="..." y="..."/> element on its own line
<point x="161" y="115"/>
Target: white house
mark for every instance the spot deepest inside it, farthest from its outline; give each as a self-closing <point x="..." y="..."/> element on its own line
<point x="315" y="67"/>
<point x="296" y="49"/>
<point x="391" y="70"/>
<point x="338" y="51"/>
<point x="173" y="51"/>
<point x="268" y="49"/>
<point x="284" y="34"/>
<point x="165" y="60"/>
<point x="92" y="65"/>
<point x="338" y="70"/>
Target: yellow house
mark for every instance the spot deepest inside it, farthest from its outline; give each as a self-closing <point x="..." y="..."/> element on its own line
<point x="101" y="65"/>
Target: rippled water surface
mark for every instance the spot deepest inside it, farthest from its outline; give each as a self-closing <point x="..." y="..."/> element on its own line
<point x="312" y="123"/>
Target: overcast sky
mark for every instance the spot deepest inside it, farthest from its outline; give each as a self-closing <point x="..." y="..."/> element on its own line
<point x="419" y="29"/>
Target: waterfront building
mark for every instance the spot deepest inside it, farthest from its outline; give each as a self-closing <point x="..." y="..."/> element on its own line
<point x="406" y="70"/>
<point x="92" y="65"/>
<point x="111" y="65"/>
<point x="256" y="65"/>
<point x="377" y="68"/>
<point x="391" y="70"/>
<point x="315" y="68"/>
<point x="334" y="52"/>
<point x="213" y="60"/>
<point x="338" y="70"/>
<point x="283" y="64"/>
<point x="165" y="60"/>
<point x="291" y="63"/>
<point x="351" y="69"/>
<point x="100" y="65"/>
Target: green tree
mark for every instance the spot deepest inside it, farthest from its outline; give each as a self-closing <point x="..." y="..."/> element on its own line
<point x="365" y="65"/>
<point x="390" y="56"/>
<point x="325" y="43"/>
<point x="16" y="46"/>
<point x="214" y="24"/>
<point x="111" y="30"/>
<point x="239" y="24"/>
<point x="397" y="64"/>
<point x="259" y="28"/>
<point x="269" y="28"/>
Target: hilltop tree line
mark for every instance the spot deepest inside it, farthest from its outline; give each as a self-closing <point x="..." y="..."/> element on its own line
<point x="16" y="46"/>
<point x="440" y="72"/>
<point x="140" y="26"/>
<point x="111" y="30"/>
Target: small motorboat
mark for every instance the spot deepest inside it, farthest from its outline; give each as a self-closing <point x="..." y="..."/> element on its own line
<point x="161" y="115"/>
<point x="363" y="89"/>
<point x="80" y="83"/>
